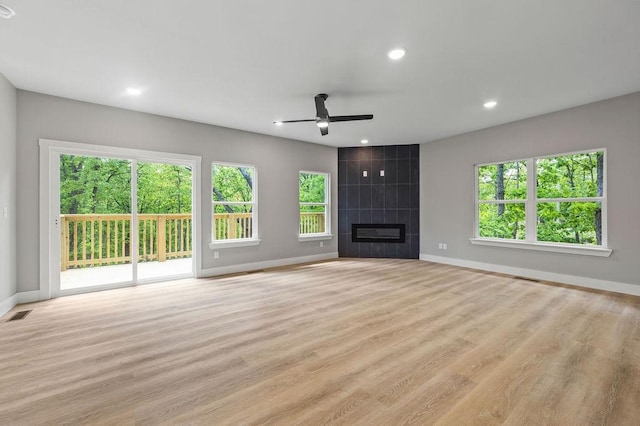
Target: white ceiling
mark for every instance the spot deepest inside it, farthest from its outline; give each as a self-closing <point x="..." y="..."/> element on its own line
<point x="244" y="64"/>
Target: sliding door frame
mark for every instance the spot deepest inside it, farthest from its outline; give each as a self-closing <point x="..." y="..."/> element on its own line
<point x="50" y="151"/>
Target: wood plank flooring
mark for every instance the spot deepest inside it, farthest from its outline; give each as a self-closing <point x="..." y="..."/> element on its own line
<point x="352" y="341"/>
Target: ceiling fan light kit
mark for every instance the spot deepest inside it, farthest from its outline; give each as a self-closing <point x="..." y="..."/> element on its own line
<point x="323" y="118"/>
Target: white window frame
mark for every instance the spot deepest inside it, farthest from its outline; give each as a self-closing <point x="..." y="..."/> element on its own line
<point x="327" y="235"/>
<point x="531" y="204"/>
<point x="235" y="242"/>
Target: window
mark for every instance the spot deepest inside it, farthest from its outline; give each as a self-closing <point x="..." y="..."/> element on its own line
<point x="555" y="200"/>
<point x="570" y="198"/>
<point x="233" y="202"/>
<point x="314" y="203"/>
<point x="502" y="195"/>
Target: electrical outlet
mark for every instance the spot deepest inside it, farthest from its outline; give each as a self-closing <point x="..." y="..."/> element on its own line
<point x="5" y="212"/>
<point x="364" y="173"/>
<point x="321" y="244"/>
<point x="440" y="246"/>
<point x="444" y="246"/>
<point x="216" y="254"/>
<point x="382" y="173"/>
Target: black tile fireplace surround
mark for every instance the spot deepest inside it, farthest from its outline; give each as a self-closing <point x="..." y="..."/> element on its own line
<point x="388" y="193"/>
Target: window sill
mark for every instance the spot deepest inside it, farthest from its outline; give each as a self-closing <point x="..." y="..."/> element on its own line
<point x="234" y="243"/>
<point x="551" y="247"/>
<point x="314" y="237"/>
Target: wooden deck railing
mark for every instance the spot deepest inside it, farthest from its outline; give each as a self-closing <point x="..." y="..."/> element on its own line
<point x="105" y="239"/>
<point x="311" y="223"/>
<point x="233" y="225"/>
<point x="88" y="240"/>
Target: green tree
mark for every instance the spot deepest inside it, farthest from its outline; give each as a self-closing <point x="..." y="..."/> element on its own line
<point x="94" y="185"/>
<point x="232" y="184"/>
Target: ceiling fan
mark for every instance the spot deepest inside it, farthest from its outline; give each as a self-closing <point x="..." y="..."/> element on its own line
<point x="323" y="118"/>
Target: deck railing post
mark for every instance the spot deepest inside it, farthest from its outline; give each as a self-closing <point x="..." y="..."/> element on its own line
<point x="232" y="226"/>
<point x="162" y="238"/>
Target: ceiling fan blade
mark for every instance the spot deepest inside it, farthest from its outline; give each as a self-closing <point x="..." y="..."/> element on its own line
<point x="321" y="110"/>
<point x="294" y="121"/>
<point x="324" y="131"/>
<point x="350" y="117"/>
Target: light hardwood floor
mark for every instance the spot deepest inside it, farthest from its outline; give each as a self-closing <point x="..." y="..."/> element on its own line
<point x="371" y="342"/>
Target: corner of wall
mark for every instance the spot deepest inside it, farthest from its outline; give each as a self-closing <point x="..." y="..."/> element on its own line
<point x="8" y="192"/>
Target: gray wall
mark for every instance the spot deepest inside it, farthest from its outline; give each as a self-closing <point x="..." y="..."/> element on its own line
<point x="278" y="162"/>
<point x="447" y="186"/>
<point x="7" y="189"/>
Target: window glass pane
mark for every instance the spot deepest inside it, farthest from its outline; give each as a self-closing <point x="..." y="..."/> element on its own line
<point x="312" y="219"/>
<point x="503" y="181"/>
<point x="232" y="221"/>
<point x="575" y="223"/>
<point x="312" y="187"/>
<point x="502" y="220"/>
<point x="232" y="183"/>
<point x="571" y="176"/>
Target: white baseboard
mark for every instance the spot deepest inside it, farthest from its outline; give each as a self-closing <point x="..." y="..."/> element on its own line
<point x="28" y="296"/>
<point x="18" y="299"/>
<point x="246" y="267"/>
<point x="8" y="304"/>
<point x="613" y="286"/>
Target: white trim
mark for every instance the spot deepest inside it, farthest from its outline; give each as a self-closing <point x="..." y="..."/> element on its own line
<point x="593" y="283"/>
<point x="244" y="242"/>
<point x="116" y="286"/>
<point x="253" y="203"/>
<point x="246" y="267"/>
<point x="117" y="152"/>
<point x="314" y="237"/>
<point x="515" y="201"/>
<point x="19" y="299"/>
<point x="531" y="205"/>
<point x="49" y="177"/>
<point x="541" y="246"/>
<point x="570" y="200"/>
<point x="530" y="209"/>
<point x="583" y="151"/>
<point x="8" y="304"/>
<point x="134" y="250"/>
<point x="28" y="296"/>
<point x="326" y="204"/>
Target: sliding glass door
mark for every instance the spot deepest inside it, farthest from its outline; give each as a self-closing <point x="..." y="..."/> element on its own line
<point x="164" y="220"/>
<point x="95" y="221"/>
<point x="117" y="220"/>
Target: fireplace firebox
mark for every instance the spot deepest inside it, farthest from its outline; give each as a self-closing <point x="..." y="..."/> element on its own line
<point x="378" y="233"/>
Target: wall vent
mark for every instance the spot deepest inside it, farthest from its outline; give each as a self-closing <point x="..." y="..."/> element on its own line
<point x="19" y="315"/>
<point x="527" y="279"/>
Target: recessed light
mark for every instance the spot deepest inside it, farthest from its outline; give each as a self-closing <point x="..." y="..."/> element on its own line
<point x="490" y="104"/>
<point x="397" y="53"/>
<point x="323" y="124"/>
<point x="133" y="91"/>
<point x="364" y="141"/>
<point x="6" y="12"/>
<point x="278" y="123"/>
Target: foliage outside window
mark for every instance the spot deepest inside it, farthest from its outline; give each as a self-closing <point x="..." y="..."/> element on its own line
<point x="314" y="203"/>
<point x="233" y="202"/>
<point x="559" y="199"/>
<point x="502" y="195"/>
